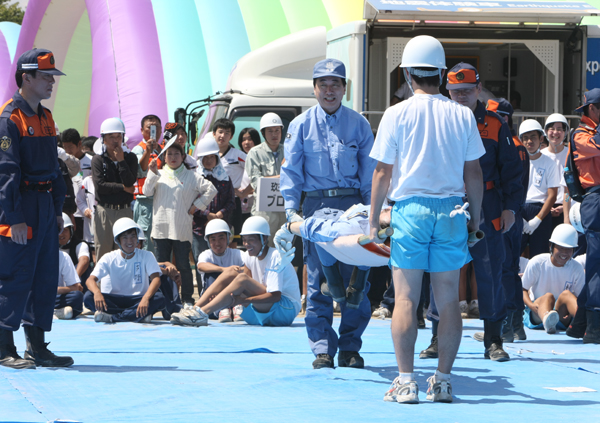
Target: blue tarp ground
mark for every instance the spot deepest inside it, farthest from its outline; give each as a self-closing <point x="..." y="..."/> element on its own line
<point x="159" y="373"/>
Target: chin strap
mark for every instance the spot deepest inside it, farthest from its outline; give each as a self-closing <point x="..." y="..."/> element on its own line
<point x="420" y="73"/>
<point x="264" y="245"/>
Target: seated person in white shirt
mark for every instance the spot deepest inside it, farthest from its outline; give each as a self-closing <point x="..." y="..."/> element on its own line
<point x="130" y="293"/>
<point x="216" y="259"/>
<point x="269" y="298"/>
<point x="552" y="282"/>
<point x="69" y="295"/>
<point x="77" y="250"/>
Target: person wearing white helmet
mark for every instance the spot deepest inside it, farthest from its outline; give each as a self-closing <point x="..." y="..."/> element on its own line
<point x="418" y="140"/>
<point x="552" y="282"/>
<point x="77" y="250"/>
<point x="544" y="180"/>
<point x="69" y="295"/>
<point x="213" y="261"/>
<point x="269" y="297"/>
<point x="557" y="132"/>
<point x="129" y="280"/>
<point x="114" y="174"/>
<point x="264" y="161"/>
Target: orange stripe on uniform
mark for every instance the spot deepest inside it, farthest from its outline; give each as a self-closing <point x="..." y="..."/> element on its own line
<point x="496" y="223"/>
<point x="5" y="231"/>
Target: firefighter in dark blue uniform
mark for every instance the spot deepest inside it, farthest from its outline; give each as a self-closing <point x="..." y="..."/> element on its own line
<point x="502" y="199"/>
<point x="32" y="193"/>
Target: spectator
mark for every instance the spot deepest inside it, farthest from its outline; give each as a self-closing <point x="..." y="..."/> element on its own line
<point x="175" y="129"/>
<point x="148" y="149"/>
<point x="87" y="146"/>
<point x="86" y="204"/>
<point x="178" y="193"/>
<point x="248" y="138"/>
<point x="77" y="250"/>
<point x="72" y="144"/>
<point x="557" y="129"/>
<point x="125" y="294"/>
<point x="552" y="282"/>
<point x="113" y="174"/>
<point x="213" y="261"/>
<point x="269" y="298"/>
<point x="264" y="161"/>
<point x="69" y="295"/>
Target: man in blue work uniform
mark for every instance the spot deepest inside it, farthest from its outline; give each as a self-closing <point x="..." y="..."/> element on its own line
<point x="502" y="199"/>
<point x="32" y="193"/>
<point x="327" y="157"/>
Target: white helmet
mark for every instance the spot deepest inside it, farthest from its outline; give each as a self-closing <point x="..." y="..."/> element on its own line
<point x="141" y="235"/>
<point x="67" y="220"/>
<point x="564" y="235"/>
<point x="111" y="126"/>
<point x="530" y="125"/>
<point x="575" y="217"/>
<point x="207" y="146"/>
<point x="216" y="226"/>
<point x="557" y="117"/>
<point x="423" y="51"/>
<point x="270" y="119"/>
<point x="123" y="225"/>
<point x="256" y="225"/>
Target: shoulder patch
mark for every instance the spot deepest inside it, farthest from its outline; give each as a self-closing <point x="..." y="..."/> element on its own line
<point x="30" y="130"/>
<point x="5" y="143"/>
<point x="288" y="135"/>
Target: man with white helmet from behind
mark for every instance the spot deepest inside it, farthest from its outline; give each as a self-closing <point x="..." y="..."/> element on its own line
<point x="131" y="291"/>
<point x="418" y="140"/>
<point x="269" y="297"/>
<point x="264" y="161"/>
<point x="552" y="282"/>
<point x="114" y="174"/>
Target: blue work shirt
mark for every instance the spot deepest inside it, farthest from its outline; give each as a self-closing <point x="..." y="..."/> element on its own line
<point x="325" y="151"/>
<point x="329" y="224"/>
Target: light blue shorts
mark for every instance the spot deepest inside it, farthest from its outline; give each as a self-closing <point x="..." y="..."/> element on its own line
<point x="528" y="321"/>
<point x="282" y="313"/>
<point x="426" y="237"/>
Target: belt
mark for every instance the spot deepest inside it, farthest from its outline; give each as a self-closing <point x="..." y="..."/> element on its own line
<point x="115" y="206"/>
<point x="489" y="185"/>
<point x="45" y="186"/>
<point x="336" y="192"/>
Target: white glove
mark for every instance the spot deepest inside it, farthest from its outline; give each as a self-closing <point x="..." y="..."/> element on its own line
<point x="292" y="216"/>
<point x="286" y="258"/>
<point x="461" y="210"/>
<point x="283" y="239"/>
<point x="526" y="227"/>
<point x="532" y="225"/>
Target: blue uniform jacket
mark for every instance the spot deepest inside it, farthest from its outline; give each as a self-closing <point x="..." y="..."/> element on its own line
<point x="501" y="163"/>
<point x="27" y="154"/>
<point x="327" y="151"/>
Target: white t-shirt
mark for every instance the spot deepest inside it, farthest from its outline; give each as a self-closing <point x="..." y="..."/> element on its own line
<point x="560" y="160"/>
<point x="541" y="277"/>
<point x="234" y="163"/>
<point x="543" y="174"/>
<point x="67" y="275"/>
<point x="82" y="250"/>
<point x="231" y="257"/>
<point x="523" y="261"/>
<point x="285" y="282"/>
<point x="427" y="138"/>
<point x="127" y="277"/>
<point x="86" y="165"/>
<point x="581" y="260"/>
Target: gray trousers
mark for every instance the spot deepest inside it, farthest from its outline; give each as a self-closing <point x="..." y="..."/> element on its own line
<point x="104" y="219"/>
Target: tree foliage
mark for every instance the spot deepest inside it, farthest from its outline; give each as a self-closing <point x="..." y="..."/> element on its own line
<point x="11" y="12"/>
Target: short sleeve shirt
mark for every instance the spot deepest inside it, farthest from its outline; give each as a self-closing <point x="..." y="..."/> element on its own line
<point x="127" y="277"/>
<point x="541" y="277"/>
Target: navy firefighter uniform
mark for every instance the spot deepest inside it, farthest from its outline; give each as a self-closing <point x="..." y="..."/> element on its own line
<point x="327" y="158"/>
<point x="32" y="190"/>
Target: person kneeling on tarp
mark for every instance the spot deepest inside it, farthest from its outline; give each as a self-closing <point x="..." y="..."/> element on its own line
<point x="270" y="298"/>
<point x="69" y="295"/>
<point x="126" y="295"/>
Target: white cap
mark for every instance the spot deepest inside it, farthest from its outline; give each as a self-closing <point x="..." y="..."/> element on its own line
<point x="207" y="146"/>
<point x="111" y="126"/>
<point x="423" y="51"/>
<point x="575" y="217"/>
<point x="256" y="225"/>
<point x="557" y="117"/>
<point x="216" y="226"/>
<point x="123" y="225"/>
<point x="565" y="236"/>
<point x="269" y="120"/>
<point x="530" y="125"/>
<point x="67" y="220"/>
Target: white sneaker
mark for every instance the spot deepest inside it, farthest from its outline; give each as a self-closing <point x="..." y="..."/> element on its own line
<point x="64" y="313"/>
<point x="464" y="309"/>
<point x="382" y="313"/>
<point x="550" y="321"/>
<point x="190" y="317"/>
<point x="147" y="319"/>
<point x="406" y="393"/>
<point x="237" y="313"/>
<point x="102" y="317"/>
<point x="336" y="307"/>
<point x="86" y="311"/>
<point x="225" y="315"/>
<point x="439" y="391"/>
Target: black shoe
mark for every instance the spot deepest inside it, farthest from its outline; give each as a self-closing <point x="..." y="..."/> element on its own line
<point x="495" y="352"/>
<point x="323" y="361"/>
<point x="38" y="352"/>
<point x="432" y="350"/>
<point x="518" y="328"/>
<point x="578" y="324"/>
<point x="421" y="322"/>
<point x="350" y="359"/>
<point x="508" y="333"/>
<point x="592" y="331"/>
<point x="8" y="353"/>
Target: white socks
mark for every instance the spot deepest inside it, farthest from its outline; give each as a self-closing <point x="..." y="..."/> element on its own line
<point x="439" y="376"/>
<point x="406" y="377"/>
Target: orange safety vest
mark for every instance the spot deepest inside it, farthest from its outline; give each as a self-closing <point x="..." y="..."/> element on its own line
<point x="139" y="186"/>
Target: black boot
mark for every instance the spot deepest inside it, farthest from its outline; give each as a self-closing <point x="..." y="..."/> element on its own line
<point x="37" y="349"/>
<point x="508" y="334"/>
<point x="334" y="286"/>
<point x="420" y="317"/>
<point x="518" y="328"/>
<point x="356" y="288"/>
<point x="432" y="350"/>
<point x="8" y="352"/>
<point x="578" y="324"/>
<point x="592" y="331"/>
<point x="492" y="340"/>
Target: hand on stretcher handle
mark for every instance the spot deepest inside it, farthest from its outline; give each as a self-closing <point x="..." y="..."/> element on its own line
<point x="475" y="237"/>
<point x="382" y="234"/>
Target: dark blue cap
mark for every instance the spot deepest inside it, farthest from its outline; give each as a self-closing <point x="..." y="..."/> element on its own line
<point x="329" y="67"/>
<point x="590" y="97"/>
<point x="38" y="59"/>
<point x="504" y="107"/>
